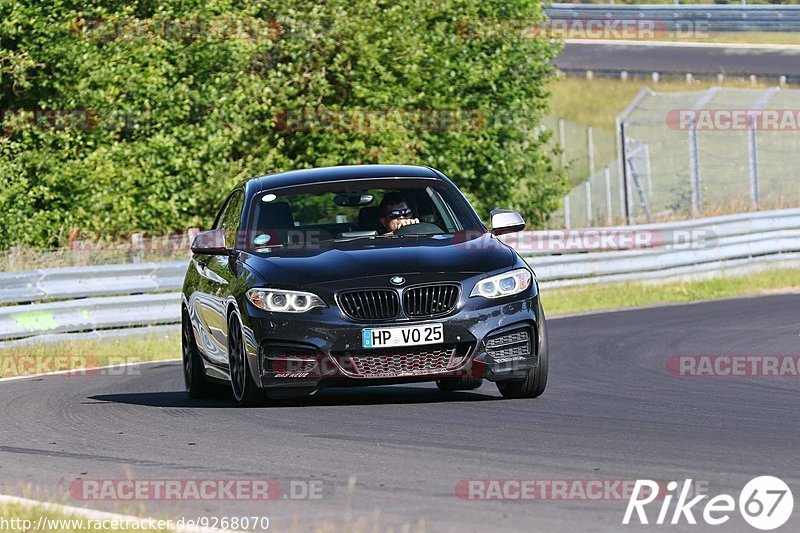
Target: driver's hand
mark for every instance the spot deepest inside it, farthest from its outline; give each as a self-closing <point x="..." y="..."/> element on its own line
<point x="398" y="223"/>
<point x="407" y="222"/>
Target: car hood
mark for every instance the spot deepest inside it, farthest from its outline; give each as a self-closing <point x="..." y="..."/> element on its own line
<point x="342" y="261"/>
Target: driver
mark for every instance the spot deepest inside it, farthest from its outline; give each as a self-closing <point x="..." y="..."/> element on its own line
<point x="395" y="213"/>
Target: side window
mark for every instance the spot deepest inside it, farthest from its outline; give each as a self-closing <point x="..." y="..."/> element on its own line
<point x="230" y="217"/>
<point x="221" y="214"/>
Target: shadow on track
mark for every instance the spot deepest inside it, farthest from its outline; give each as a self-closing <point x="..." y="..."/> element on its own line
<point x="328" y="397"/>
<point x="161" y="399"/>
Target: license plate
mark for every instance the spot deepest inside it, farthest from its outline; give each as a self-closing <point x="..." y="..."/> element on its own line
<point x="402" y="336"/>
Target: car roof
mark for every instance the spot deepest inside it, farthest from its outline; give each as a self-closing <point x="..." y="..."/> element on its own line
<point x="340" y="173"/>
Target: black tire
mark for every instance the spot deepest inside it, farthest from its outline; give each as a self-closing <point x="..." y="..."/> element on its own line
<point x="245" y="391"/>
<point x="462" y="383"/>
<point x="534" y="383"/>
<point x="194" y="376"/>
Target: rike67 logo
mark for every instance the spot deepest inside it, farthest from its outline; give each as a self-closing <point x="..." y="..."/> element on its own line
<point x="765" y="503"/>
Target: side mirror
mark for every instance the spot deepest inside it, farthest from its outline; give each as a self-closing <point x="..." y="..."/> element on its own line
<point x="210" y="242"/>
<point x="506" y="221"/>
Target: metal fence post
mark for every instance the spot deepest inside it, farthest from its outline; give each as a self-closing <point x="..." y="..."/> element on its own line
<point x="621" y="146"/>
<point x="628" y="186"/>
<point x="638" y="183"/>
<point x="752" y="146"/>
<point x="609" y="213"/>
<point x="590" y="142"/>
<point x="694" y="151"/>
<point x="567" y="222"/>
<point x="694" y="170"/>
<point x="622" y="171"/>
<point x="648" y="170"/>
<point x="753" y="161"/>
<point x="587" y="187"/>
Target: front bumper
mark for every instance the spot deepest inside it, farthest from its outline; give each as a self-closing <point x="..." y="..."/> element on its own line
<point x="301" y="353"/>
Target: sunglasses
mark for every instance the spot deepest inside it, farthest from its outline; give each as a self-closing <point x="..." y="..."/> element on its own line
<point x="398" y="213"/>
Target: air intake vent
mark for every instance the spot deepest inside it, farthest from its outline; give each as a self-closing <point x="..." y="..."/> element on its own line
<point x="515" y="343"/>
<point x="402" y="362"/>
<point x="375" y="304"/>
<point x="430" y="300"/>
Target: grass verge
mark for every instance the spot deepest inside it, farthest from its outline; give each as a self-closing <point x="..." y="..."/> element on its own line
<point x="71" y="355"/>
<point x="625" y="295"/>
<point x="597" y="102"/>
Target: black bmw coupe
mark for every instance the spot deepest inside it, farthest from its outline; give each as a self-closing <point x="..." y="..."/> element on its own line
<point x="358" y="275"/>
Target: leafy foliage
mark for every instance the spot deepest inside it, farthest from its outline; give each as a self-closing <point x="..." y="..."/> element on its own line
<point x="165" y="126"/>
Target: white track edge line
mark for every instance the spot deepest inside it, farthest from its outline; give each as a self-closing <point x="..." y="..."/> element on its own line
<point x="79" y="370"/>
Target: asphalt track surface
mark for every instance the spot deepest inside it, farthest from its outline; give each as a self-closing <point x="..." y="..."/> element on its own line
<point x="681" y="58"/>
<point x="611" y="411"/>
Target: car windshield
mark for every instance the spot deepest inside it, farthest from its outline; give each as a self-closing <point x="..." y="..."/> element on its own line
<point x="357" y="210"/>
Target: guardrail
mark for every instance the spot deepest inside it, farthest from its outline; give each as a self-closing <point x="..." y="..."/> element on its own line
<point x="693" y="249"/>
<point x="89" y="314"/>
<point x="80" y="282"/>
<point x="111" y="298"/>
<point x="714" y="18"/>
<point x="634" y="265"/>
<point x="673" y="234"/>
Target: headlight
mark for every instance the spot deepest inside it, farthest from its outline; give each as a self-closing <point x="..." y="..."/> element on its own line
<point x="284" y="301"/>
<point x="506" y="284"/>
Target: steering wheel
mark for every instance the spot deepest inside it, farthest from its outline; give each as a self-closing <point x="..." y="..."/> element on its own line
<point x="422" y="228"/>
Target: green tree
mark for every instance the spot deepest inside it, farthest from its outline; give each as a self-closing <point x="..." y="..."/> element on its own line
<point x="150" y="132"/>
